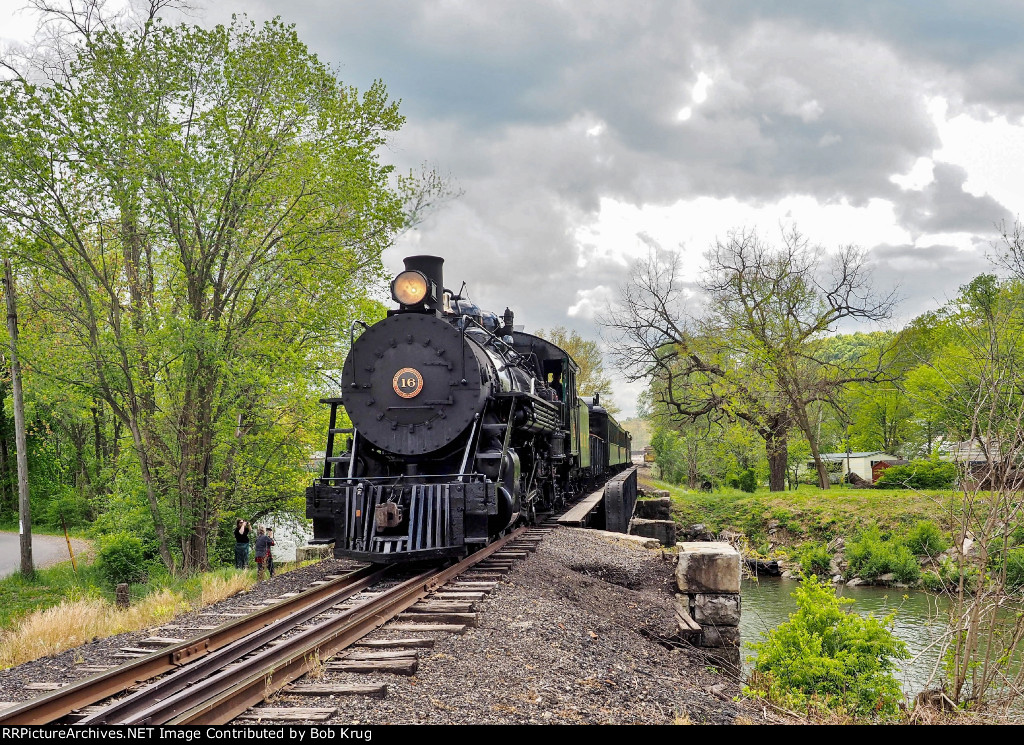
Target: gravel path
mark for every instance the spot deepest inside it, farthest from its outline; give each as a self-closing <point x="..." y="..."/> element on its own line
<point x="580" y="633"/>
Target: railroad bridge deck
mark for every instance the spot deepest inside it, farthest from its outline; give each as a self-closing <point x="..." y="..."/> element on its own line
<point x="607" y="508"/>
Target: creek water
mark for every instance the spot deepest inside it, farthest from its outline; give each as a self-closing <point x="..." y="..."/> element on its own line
<point x="919" y="621"/>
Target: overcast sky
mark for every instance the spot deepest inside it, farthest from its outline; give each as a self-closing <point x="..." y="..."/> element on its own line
<point x="582" y="131"/>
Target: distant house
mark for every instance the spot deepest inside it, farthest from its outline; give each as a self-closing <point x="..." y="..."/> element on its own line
<point x="867" y="465"/>
<point x="973" y="453"/>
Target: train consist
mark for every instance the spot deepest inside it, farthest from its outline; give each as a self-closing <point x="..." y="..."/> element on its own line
<point x="462" y="427"/>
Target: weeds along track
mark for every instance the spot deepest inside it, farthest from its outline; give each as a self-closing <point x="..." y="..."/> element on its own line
<point x="216" y="676"/>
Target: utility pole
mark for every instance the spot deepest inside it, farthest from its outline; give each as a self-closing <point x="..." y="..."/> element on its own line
<point x="24" y="511"/>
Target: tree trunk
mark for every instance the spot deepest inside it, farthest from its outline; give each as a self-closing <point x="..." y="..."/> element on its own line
<point x="24" y="508"/>
<point x="777" y="450"/>
<point x="151" y="496"/>
<point x="805" y="427"/>
<point x="7" y="493"/>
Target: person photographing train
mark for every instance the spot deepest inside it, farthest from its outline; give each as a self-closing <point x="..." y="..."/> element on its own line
<point x="263" y="544"/>
<point x="241" y="544"/>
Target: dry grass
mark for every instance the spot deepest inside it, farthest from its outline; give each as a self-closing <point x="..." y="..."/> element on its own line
<point x="317" y="668"/>
<point x="217" y="587"/>
<point x="74" y="622"/>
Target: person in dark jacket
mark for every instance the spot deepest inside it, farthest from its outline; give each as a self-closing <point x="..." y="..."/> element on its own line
<point x="270" y="552"/>
<point x="263" y="544"/>
<point x="241" y="544"/>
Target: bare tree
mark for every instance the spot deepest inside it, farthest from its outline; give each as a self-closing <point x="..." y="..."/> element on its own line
<point x="754" y="350"/>
<point x="692" y="373"/>
<point x="779" y="304"/>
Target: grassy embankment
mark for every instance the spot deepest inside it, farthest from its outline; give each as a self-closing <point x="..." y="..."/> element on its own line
<point x="61" y="608"/>
<point x="806" y="515"/>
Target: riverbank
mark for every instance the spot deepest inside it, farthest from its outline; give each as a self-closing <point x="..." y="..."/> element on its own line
<point x="891" y="537"/>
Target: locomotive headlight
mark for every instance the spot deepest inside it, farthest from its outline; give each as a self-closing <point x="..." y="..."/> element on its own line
<point x="409" y="288"/>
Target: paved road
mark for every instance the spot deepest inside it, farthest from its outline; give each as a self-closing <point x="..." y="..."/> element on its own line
<point x="46" y="551"/>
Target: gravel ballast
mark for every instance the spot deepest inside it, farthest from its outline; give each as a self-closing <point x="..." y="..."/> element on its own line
<point x="582" y="632"/>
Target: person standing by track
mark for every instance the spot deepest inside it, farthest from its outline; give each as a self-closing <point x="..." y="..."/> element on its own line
<point x="241" y="544"/>
<point x="270" y="552"/>
<point x="263" y="544"/>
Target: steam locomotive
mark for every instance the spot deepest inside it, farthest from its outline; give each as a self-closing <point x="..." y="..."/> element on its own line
<point x="462" y="427"/>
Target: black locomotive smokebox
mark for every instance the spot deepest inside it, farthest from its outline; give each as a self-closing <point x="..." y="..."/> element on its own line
<point x="411" y="384"/>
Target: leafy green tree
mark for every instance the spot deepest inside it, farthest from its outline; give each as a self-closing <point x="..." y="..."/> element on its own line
<point x="200" y="213"/>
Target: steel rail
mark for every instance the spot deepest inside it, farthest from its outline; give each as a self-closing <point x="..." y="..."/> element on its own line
<point x="128" y="707"/>
<point x="52" y="706"/>
<point x="220" y="698"/>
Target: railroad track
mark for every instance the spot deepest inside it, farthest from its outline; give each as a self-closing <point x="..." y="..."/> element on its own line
<point x="214" y="677"/>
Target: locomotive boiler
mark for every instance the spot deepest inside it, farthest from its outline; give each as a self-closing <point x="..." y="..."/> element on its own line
<point x="462" y="426"/>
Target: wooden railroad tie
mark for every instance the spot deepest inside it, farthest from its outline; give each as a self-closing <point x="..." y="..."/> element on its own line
<point x="394" y="643"/>
<point x="290" y="714"/>
<point x="163" y="641"/>
<point x="43" y="686"/>
<point x="687" y="626"/>
<point x="451" y="628"/>
<point x="400" y="666"/>
<point x="442" y="606"/>
<point x="467" y="619"/>
<point x="374" y="655"/>
<point x="225" y="615"/>
<point x="482" y="586"/>
<point x="373" y="690"/>
<point x="457" y="595"/>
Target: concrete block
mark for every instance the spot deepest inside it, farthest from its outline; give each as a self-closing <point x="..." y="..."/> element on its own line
<point x="663" y="530"/>
<point x="654" y="509"/>
<point x="309" y="553"/>
<point x="715" y="610"/>
<point x="720" y="636"/>
<point x="708" y="567"/>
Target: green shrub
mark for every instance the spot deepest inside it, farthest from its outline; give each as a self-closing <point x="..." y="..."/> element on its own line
<point x="825" y="659"/>
<point x="925" y="539"/>
<point x="919" y="474"/>
<point x="815" y="559"/>
<point x="869" y="556"/>
<point x="950" y="574"/>
<point x="1015" y="567"/>
<point x="747" y="481"/>
<point x="121" y="558"/>
<point x="63" y="502"/>
<point x="932" y="582"/>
